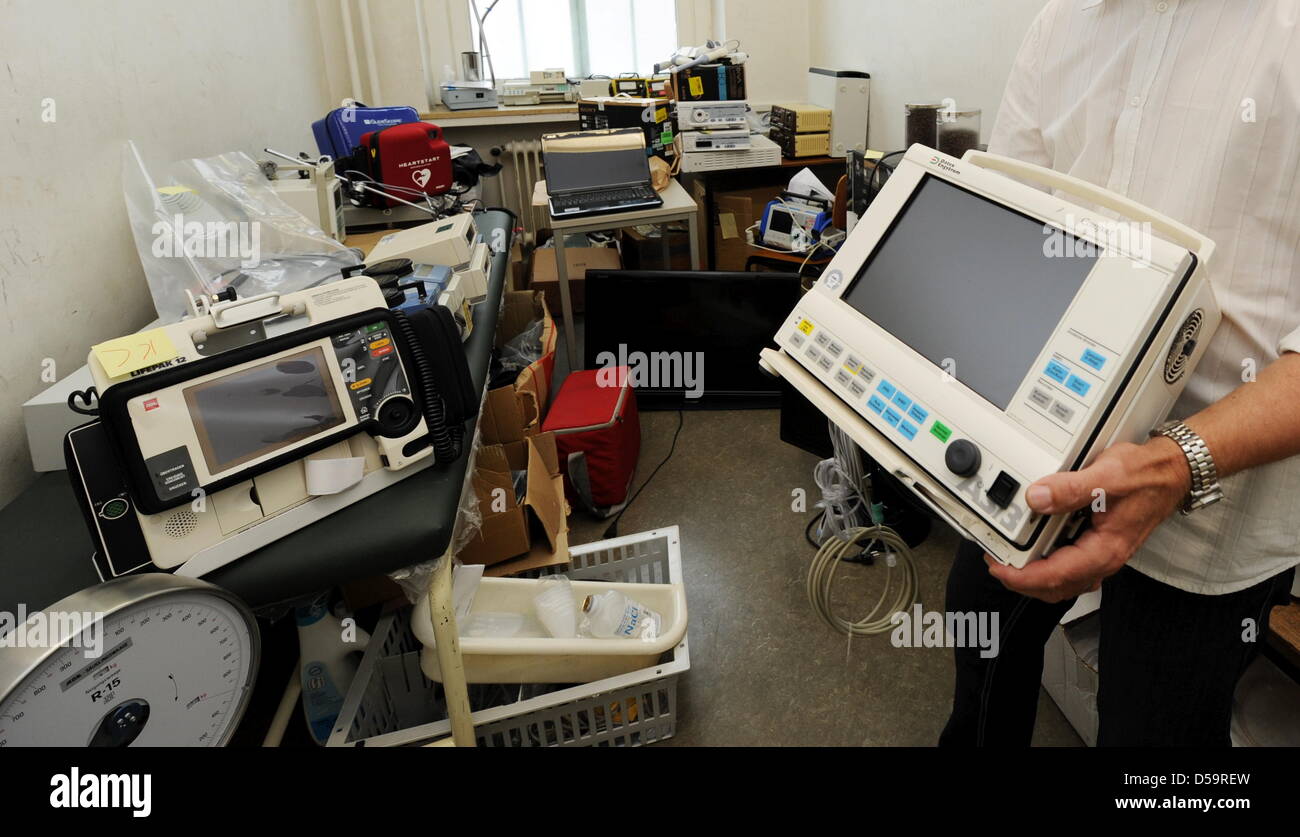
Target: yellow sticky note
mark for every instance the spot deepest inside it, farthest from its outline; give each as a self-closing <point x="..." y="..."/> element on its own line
<point x="697" y="86"/>
<point x="125" y="355"/>
<point x="727" y="221"/>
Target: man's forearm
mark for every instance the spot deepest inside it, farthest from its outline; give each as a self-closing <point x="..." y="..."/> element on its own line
<point x="1256" y="423"/>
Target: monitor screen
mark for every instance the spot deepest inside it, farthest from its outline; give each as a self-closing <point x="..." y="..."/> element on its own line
<point x="693" y="336"/>
<point x="568" y="171"/>
<point x="970" y="285"/>
<point x="248" y="414"/>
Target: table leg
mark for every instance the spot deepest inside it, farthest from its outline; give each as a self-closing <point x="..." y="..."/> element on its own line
<point x="442" y="609"/>
<point x="566" y="305"/>
<point x="692" y="221"/>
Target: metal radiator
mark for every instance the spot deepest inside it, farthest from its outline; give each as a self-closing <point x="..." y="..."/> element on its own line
<point x="525" y="169"/>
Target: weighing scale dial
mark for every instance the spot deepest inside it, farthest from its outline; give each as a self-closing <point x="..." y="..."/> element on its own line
<point x="147" y="660"/>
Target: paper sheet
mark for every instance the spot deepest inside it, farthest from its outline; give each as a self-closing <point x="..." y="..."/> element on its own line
<point x="806" y="183"/>
<point x="330" y="476"/>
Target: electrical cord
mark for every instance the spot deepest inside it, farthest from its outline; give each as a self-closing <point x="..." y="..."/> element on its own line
<point x="612" y="531"/>
<point x="898" y="562"/>
<point x="85" y="396"/>
<point x="852" y="530"/>
<point x="445" y="440"/>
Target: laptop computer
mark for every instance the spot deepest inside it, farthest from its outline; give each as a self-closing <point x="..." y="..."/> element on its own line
<point x="595" y="172"/>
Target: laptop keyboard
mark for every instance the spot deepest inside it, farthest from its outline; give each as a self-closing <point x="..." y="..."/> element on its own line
<point x="612" y="197"/>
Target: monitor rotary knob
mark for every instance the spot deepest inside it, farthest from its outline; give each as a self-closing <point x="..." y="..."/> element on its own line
<point x="962" y="458"/>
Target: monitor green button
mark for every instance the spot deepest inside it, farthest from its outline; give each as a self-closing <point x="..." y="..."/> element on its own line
<point x="940" y="431"/>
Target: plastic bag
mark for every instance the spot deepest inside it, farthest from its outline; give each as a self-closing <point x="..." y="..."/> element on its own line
<point x="416" y="579"/>
<point x="204" y="225"/>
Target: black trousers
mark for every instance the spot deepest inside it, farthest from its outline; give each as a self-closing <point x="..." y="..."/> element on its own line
<point x="1169" y="660"/>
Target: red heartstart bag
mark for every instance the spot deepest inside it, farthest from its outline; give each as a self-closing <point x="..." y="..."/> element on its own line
<point x="410" y="156"/>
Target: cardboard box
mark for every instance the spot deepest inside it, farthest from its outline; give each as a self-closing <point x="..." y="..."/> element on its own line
<point x="514" y="412"/>
<point x="734" y="212"/>
<point x="518" y="267"/>
<point x="519" y="534"/>
<point x="578" y="260"/>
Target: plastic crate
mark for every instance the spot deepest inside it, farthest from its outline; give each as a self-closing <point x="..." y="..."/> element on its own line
<point x="391" y="703"/>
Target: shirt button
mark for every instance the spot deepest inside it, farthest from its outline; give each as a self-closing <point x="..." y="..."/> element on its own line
<point x="1162" y="6"/>
<point x="1135" y="101"/>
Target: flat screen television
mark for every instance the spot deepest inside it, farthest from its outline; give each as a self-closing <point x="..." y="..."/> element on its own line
<point x="691" y="338"/>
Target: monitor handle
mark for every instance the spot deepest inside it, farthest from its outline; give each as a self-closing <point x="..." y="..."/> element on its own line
<point x="1180" y="234"/>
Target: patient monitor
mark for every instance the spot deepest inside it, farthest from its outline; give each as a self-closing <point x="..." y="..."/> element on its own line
<point x="252" y="418"/>
<point x="975" y="334"/>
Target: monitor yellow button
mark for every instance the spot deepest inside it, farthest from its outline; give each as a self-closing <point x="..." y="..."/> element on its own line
<point x="364" y="382"/>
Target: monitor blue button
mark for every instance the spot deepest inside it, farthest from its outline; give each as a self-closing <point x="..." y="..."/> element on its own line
<point x="907" y="429"/>
<point x="1057" y="371"/>
<point x="918" y="414"/>
<point x="1078" y="385"/>
<point x="886" y="388"/>
<point x="903" y="401"/>
<point x="892" y="417"/>
<point x="876" y="403"/>
<point x="1093" y="358"/>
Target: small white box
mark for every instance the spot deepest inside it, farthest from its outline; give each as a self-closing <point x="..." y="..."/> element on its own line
<point x="48" y="419"/>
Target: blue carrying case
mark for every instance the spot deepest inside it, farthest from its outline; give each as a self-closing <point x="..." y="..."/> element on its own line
<point x="341" y="129"/>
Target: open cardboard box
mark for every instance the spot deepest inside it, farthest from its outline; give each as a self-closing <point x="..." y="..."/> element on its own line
<point x="513" y="413"/>
<point x="519" y="534"/>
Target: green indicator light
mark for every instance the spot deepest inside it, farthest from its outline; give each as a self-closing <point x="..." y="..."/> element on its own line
<point x="114" y="509"/>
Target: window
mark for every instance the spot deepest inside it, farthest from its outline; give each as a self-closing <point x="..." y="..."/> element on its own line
<point x="585" y="37"/>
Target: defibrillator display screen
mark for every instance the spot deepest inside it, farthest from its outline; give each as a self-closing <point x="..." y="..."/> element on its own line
<point x="975" y="287"/>
<point x="259" y="410"/>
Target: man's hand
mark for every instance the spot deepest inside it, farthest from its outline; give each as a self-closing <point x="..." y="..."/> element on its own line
<point x="1135" y="486"/>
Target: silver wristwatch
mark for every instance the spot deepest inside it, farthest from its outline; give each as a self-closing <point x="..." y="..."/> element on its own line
<point x="1205" y="477"/>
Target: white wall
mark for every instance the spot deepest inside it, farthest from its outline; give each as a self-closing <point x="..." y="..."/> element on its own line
<point x="776" y="35"/>
<point x="185" y="79"/>
<point x="922" y="50"/>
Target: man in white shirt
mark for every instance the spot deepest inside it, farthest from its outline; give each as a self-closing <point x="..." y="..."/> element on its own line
<point x="1191" y="107"/>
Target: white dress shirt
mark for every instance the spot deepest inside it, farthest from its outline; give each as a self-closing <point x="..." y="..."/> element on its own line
<point x="1191" y="107"/>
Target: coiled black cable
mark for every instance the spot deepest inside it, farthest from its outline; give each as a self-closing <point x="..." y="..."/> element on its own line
<point x="86" y="397"/>
<point x="445" y="441"/>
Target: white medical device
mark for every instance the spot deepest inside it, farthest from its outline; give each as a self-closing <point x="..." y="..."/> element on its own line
<point x="974" y="334"/>
<point x="696" y="115"/>
<point x="716" y="139"/>
<point x="253" y="418"/>
<point x="453" y="242"/>
<point x="318" y="195"/>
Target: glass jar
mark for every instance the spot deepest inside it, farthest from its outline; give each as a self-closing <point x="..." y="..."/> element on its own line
<point x="959" y="131"/>
<point x="922" y="124"/>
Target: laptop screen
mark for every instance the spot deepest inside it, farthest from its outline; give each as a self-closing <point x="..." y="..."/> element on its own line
<point x="580" y="169"/>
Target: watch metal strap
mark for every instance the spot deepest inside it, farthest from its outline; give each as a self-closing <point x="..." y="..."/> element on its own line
<point x="1205" y="488"/>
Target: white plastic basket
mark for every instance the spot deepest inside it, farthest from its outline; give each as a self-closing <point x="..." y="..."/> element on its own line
<point x="391" y="702"/>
